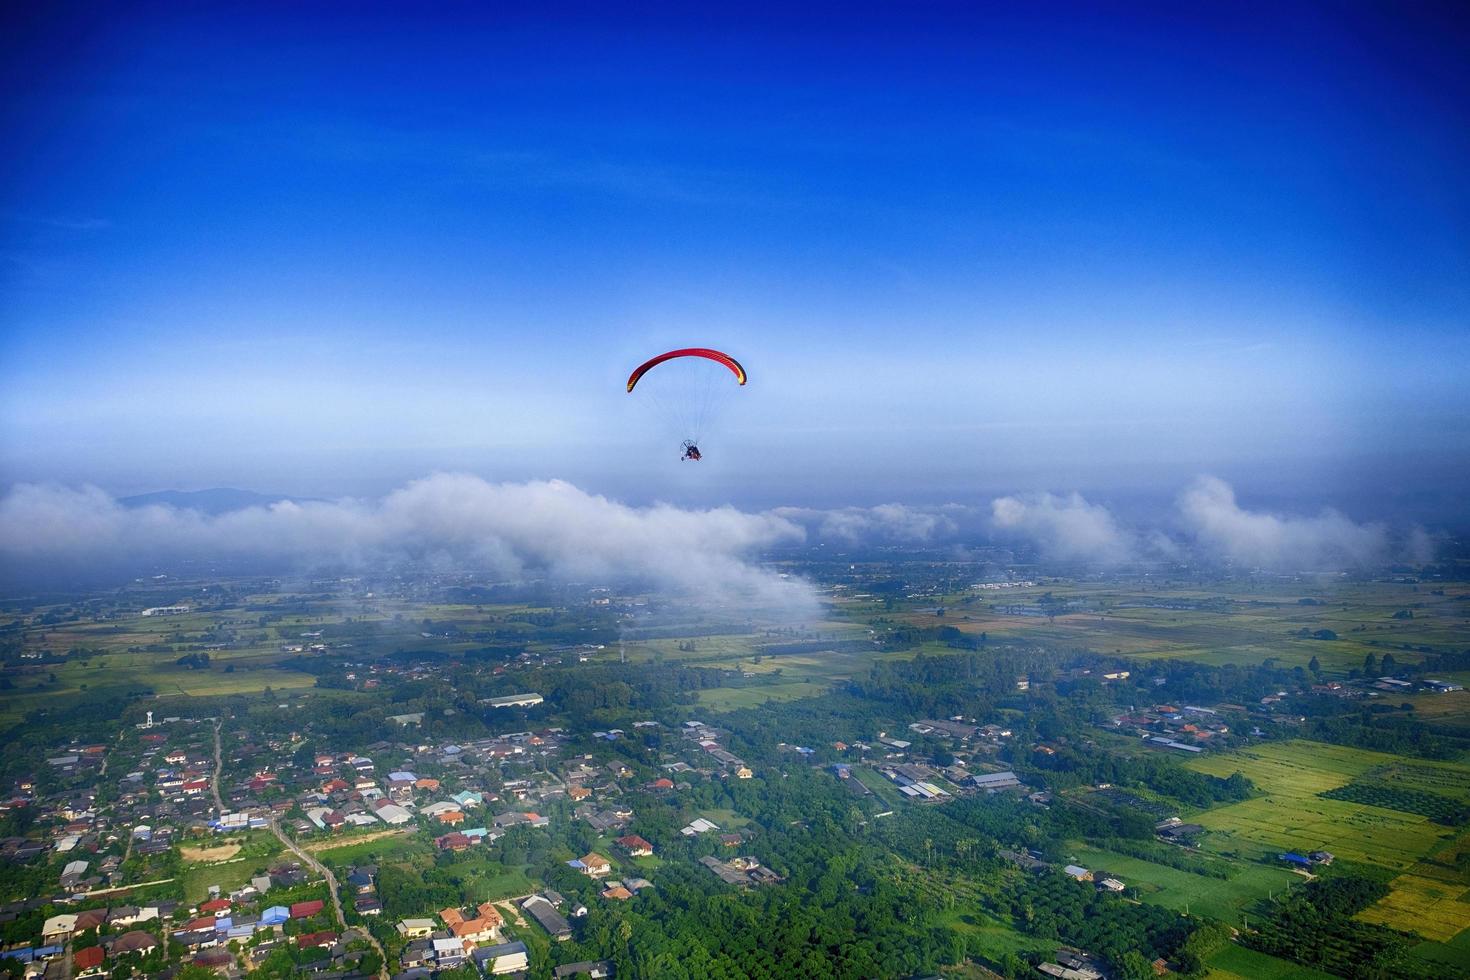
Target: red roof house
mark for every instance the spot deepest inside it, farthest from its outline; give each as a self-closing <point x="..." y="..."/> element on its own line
<point x="87" y="959"/>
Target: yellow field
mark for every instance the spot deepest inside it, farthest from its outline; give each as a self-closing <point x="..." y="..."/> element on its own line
<point x="1432" y="909"/>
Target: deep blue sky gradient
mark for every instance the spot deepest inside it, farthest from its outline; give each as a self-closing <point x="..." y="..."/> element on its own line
<point x="961" y="249"/>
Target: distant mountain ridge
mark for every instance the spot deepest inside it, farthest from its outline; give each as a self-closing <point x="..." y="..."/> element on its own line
<point x="219" y="500"/>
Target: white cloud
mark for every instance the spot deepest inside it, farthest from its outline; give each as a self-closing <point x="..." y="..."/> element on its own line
<point x="1222" y="527"/>
<point x="888" y="523"/>
<point x="507" y="529"/>
<point x="1064" y="527"/>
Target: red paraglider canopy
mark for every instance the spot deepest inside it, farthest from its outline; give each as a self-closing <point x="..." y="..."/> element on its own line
<point x="714" y="355"/>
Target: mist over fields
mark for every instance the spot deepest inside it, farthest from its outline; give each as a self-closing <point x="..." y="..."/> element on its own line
<point x="557" y="530"/>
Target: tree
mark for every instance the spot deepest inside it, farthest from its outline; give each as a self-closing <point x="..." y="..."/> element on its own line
<point x="1315" y="666"/>
<point x="194" y="972"/>
<point x="1370" y="665"/>
<point x="1135" y="966"/>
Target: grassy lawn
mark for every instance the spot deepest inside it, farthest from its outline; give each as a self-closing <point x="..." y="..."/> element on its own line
<point x="391" y="848"/>
<point x="727" y="819"/>
<point x="495" y="882"/>
<point x="1238" y="963"/>
<point x="730" y="698"/>
<point x="991" y="938"/>
<point x="228" y="875"/>
<point x="1218" y="898"/>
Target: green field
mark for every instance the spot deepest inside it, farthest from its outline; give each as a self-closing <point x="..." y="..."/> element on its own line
<point x="382" y="849"/>
<point x="502" y="883"/>
<point x="993" y="939"/>
<point x="1430" y="892"/>
<point x="1261" y="621"/>
<point x="1238" y="963"/>
<point x="1223" y="899"/>
<point x="1291" y="816"/>
<point x="730" y="698"/>
<point x="261" y="851"/>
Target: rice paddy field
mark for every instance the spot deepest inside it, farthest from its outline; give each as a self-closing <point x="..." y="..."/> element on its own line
<point x="1423" y="862"/>
<point x="1291" y="816"/>
<point x="1240" y="622"/>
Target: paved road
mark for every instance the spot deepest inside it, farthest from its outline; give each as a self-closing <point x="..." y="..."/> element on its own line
<point x="332" y="888"/>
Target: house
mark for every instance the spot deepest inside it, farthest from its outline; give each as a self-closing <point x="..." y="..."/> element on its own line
<point x="305" y="910"/>
<point x="616" y="892"/>
<point x="635" y="846"/>
<point x="476" y="930"/>
<point x="1077" y="873"/>
<point x="592" y="864"/>
<point x="1317" y="857"/>
<point x="448" y="953"/>
<point x="454" y="842"/>
<point x="275" y="915"/>
<point x="415" y="928"/>
<point x="418" y="955"/>
<point x="596" y="969"/>
<point x="505" y="958"/>
<point x="529" y="700"/>
<point x="1297" y="860"/>
<point x="1179" y="832"/>
<point x="699" y="826"/>
<point x="391" y="813"/>
<point x="219" y="960"/>
<point x="92" y="918"/>
<point x="58" y="927"/>
<point x="136" y="941"/>
<point x="550" y="919"/>
<point x="88" y="961"/>
<point x="992" y="781"/>
<point x="1111" y="885"/>
<point x="360" y="881"/>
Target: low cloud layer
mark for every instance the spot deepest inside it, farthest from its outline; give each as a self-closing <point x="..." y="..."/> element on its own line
<point x="509" y="530"/>
<point x="1208" y="524"/>
<point x="1220" y="526"/>
<point x="1066" y="527"/>
<point x="558" y="531"/>
<point x="883" y="524"/>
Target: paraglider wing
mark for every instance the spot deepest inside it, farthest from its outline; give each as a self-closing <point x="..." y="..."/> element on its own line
<point x="717" y="356"/>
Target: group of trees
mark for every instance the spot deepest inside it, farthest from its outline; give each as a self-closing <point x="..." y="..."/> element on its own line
<point x="1313" y="926"/>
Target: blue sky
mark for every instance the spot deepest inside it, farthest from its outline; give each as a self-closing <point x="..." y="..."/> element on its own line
<point x="960" y="251"/>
